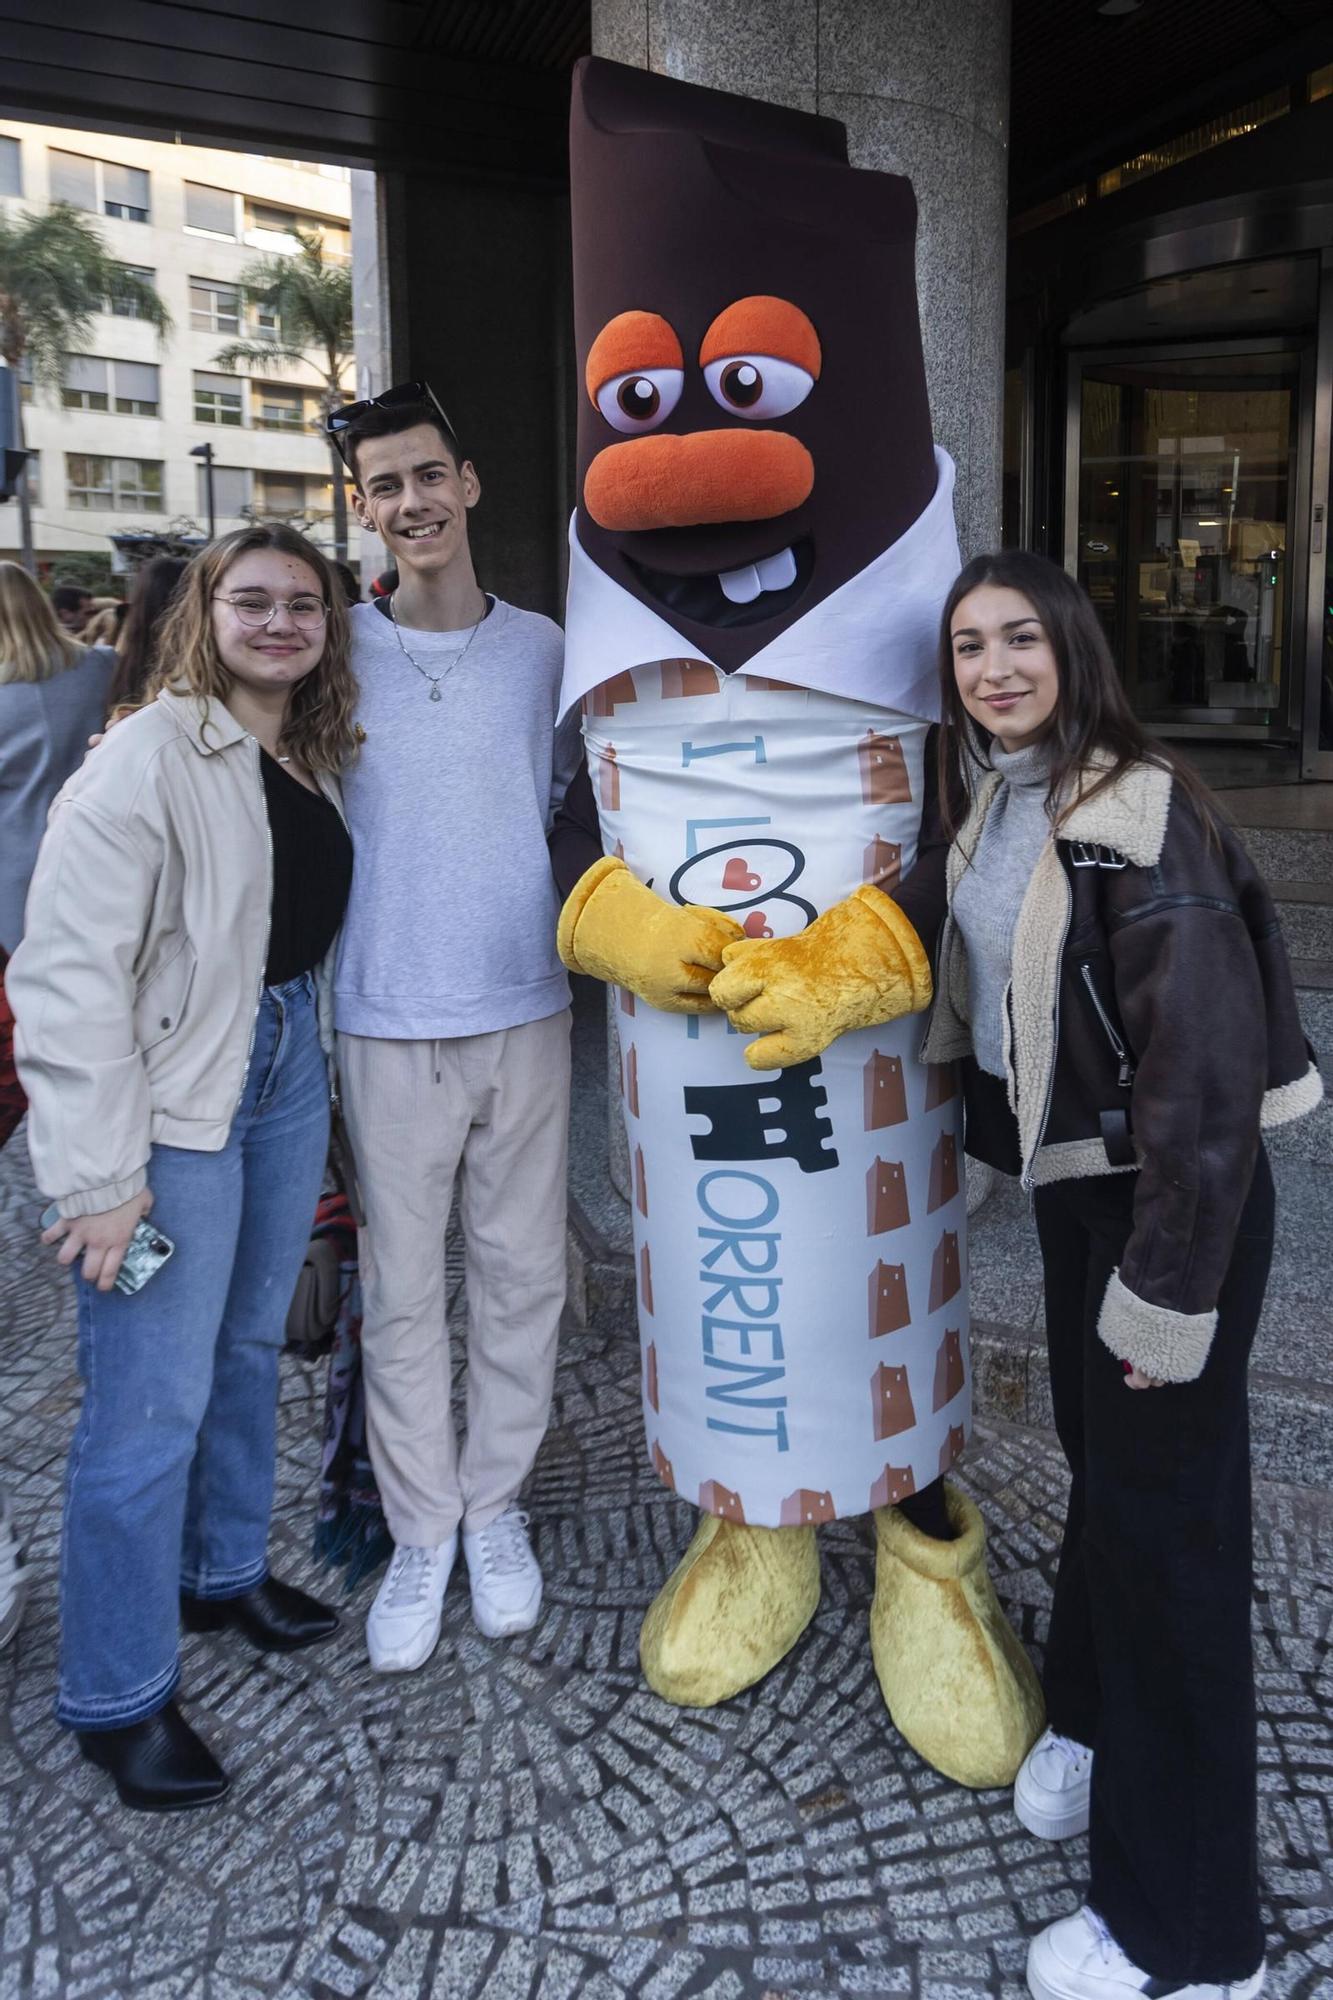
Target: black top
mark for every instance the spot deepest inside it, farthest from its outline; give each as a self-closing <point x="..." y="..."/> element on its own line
<point x="312" y="873"/>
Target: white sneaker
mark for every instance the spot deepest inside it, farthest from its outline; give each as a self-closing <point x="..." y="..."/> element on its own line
<point x="1053" y="1789"/>
<point x="403" y="1628"/>
<point x="506" y="1582"/>
<point x="1078" y="1959"/>
<point x="13" y="1574"/>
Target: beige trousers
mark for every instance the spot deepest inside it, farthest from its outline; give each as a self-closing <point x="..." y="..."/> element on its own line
<point x="494" y="1108"/>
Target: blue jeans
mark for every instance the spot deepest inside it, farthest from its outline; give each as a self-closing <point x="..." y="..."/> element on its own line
<point x="171" y="1471"/>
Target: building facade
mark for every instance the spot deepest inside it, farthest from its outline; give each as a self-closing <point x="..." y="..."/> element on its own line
<point x="113" y="447"/>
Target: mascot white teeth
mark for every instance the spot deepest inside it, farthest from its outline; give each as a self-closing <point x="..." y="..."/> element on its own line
<point x="763" y="541"/>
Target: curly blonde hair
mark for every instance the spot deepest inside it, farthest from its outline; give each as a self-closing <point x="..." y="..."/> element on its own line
<point x="319" y="729"/>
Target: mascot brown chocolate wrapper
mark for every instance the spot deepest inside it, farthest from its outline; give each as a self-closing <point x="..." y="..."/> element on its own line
<point x="763" y="540"/>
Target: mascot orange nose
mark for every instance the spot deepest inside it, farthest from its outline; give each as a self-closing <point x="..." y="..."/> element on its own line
<point x="682" y="482"/>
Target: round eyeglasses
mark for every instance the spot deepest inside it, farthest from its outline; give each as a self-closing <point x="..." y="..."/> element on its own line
<point x="253" y="607"/>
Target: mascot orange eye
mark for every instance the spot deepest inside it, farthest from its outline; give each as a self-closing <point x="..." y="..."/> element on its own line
<point x="642" y="399"/>
<point x="757" y="386"/>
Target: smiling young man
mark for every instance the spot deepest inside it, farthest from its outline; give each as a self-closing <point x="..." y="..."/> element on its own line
<point x="452" y="1013"/>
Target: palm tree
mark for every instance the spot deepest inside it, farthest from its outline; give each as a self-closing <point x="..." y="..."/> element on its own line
<point x="56" y="273"/>
<point x="313" y="302"/>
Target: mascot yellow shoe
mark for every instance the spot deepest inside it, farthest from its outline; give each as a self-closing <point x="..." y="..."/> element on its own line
<point x="956" y="1681"/>
<point x="732" y="1608"/>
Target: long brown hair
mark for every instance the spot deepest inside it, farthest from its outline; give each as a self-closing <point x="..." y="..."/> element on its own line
<point x="1094" y="734"/>
<point x="319" y="728"/>
<point x="33" y="643"/>
<point x="136" y="648"/>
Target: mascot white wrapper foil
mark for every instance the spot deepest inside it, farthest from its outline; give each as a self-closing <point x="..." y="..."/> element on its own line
<point x="751" y="634"/>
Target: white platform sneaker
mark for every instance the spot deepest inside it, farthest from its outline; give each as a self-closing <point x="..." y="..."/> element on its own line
<point x="403" y="1628"/>
<point x="1078" y="1959"/>
<point x="1053" y="1789"/>
<point x="506" y="1581"/>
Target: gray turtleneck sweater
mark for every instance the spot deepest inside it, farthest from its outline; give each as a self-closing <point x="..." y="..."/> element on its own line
<point x="989" y="894"/>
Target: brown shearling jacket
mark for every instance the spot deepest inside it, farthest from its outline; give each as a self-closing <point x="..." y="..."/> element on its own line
<point x="1152" y="1026"/>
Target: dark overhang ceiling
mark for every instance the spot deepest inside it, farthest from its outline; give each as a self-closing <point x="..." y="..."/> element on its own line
<point x="1088" y="90"/>
<point x="483" y="83"/>
<point x="480" y="83"/>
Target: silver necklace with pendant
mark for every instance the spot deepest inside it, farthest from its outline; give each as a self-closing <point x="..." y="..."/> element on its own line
<point x="434" y="679"/>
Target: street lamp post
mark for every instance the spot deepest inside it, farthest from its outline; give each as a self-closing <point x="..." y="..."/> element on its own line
<point x="205" y="451"/>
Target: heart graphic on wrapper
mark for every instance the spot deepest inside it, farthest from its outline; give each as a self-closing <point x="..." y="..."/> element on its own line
<point x="739" y="875"/>
<point x="756" y="925"/>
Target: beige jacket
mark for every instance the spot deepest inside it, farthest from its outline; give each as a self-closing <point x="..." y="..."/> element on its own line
<point x="136" y="985"/>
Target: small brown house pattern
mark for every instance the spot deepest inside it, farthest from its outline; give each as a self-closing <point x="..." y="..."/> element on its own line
<point x="891" y="1401"/>
<point x="948" y="1369"/>
<point x="805" y="1508"/>
<point x="888" y="1299"/>
<point x="945" y="1275"/>
<point x="895" y="1483"/>
<point x="886" y="1197"/>
<point x="682" y="678"/>
<point x="881" y="864"/>
<point x="885" y="1092"/>
<point x="884" y="779"/>
<point x="715" y="1498"/>
<point x="602" y="701"/>
<point x="941" y="1083"/>
<point x="943" y="1172"/>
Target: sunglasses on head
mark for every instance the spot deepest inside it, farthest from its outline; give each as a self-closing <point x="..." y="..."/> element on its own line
<point x="401" y="396"/>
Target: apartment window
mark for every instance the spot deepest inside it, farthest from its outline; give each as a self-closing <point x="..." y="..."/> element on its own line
<point x="103" y="187"/>
<point x="214" y="308"/>
<point x="128" y="387"/>
<point x="135" y="387"/>
<point x="25" y="380"/>
<point x="272" y="228"/>
<point x="73" y="179"/>
<point x="124" y="192"/>
<point x="279" y="494"/>
<point x="11" y="166"/>
<point x="211" y="209"/>
<point x="217" y="400"/>
<point x="265" y="320"/>
<point x="122" y="304"/>
<point x="33" y="470"/>
<point x="114" y="485"/>
<point x="337" y="241"/>
<point x="277" y="408"/>
<point x="231" y="491"/>
<point x="87" y="383"/>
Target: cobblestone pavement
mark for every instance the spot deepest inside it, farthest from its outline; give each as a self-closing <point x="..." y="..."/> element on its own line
<point x="524" y="1819"/>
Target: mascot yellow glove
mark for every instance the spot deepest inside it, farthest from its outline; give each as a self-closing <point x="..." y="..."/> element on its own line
<point x="859" y="964"/>
<point x="613" y="928"/>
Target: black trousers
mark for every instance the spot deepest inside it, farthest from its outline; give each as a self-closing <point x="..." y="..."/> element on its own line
<point x="1149" y="1659"/>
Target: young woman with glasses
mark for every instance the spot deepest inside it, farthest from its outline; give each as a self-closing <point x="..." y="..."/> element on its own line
<point x="171" y="1035"/>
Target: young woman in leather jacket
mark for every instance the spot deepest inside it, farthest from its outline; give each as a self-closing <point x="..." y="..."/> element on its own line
<point x="1111" y="976"/>
<point x="167" y="999"/>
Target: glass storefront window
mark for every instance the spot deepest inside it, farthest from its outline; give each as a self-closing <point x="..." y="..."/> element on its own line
<point x="1184" y="501"/>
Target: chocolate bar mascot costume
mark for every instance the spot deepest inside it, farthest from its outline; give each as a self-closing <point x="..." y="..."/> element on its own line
<point x="763" y="540"/>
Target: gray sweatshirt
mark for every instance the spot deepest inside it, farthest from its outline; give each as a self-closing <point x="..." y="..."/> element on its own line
<point x="990" y="893"/>
<point x="450" y="929"/>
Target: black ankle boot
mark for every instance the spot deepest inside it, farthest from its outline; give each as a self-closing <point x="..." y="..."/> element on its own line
<point x="275" y="1617"/>
<point x="159" y="1765"/>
